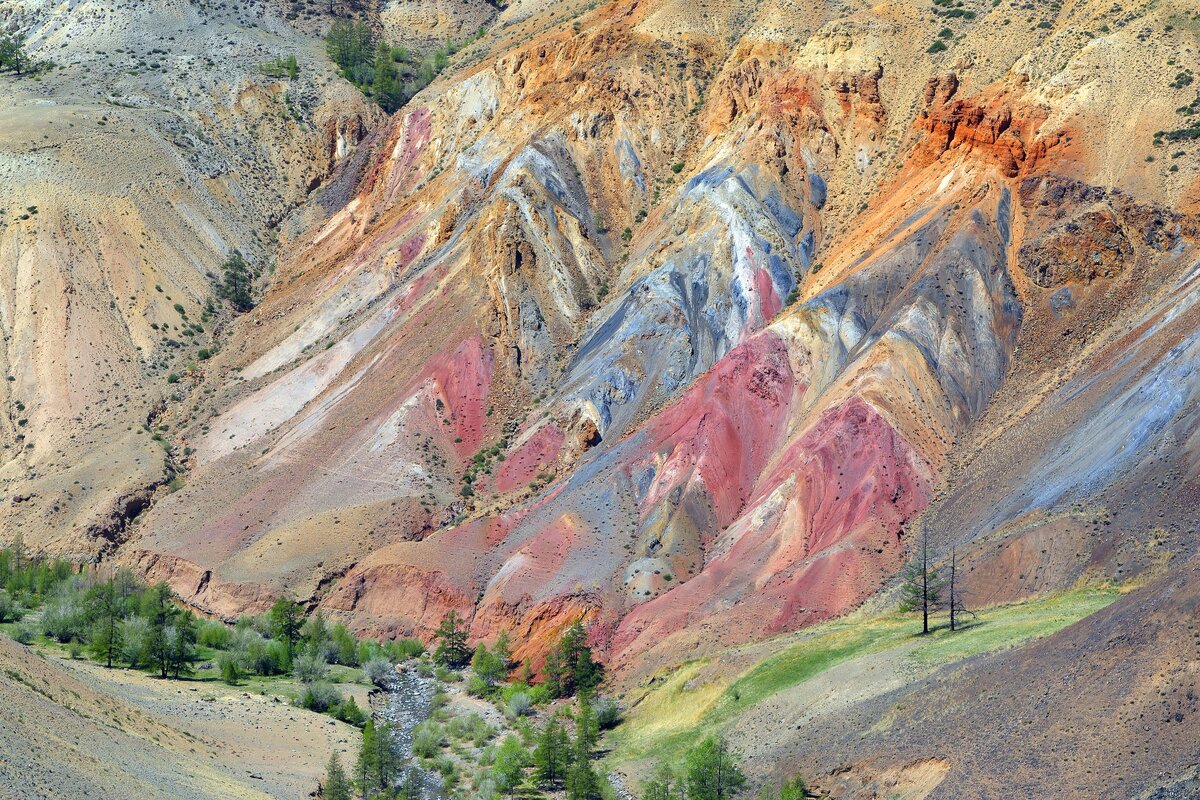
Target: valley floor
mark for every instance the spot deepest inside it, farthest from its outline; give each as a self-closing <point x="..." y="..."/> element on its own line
<point x="73" y="728"/>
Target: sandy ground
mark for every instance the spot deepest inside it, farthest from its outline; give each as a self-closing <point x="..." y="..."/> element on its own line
<point x="76" y="729"/>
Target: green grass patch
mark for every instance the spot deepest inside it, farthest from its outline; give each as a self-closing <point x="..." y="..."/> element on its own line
<point x="681" y="708"/>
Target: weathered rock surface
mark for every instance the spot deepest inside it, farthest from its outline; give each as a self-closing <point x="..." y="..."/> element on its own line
<point x="678" y="318"/>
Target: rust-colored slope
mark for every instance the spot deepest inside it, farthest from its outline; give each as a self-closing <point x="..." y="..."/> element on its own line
<point x="686" y="462"/>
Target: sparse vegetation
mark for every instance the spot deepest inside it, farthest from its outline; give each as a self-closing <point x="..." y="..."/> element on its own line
<point x="235" y="286"/>
<point x="282" y="67"/>
<point x="389" y="74"/>
<point x="119" y="621"/>
<point x="12" y="53"/>
<point x="678" y="710"/>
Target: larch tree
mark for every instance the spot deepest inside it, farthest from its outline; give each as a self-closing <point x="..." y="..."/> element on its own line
<point x="921" y="586"/>
<point x="336" y="785"/>
<point x="712" y="771"/>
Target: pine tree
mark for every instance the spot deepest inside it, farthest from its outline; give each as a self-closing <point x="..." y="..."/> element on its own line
<point x="587" y="729"/>
<point x="413" y="787"/>
<point x="503" y="649"/>
<point x="553" y="674"/>
<point x="569" y="668"/>
<point x="955" y="603"/>
<point x="230" y="673"/>
<point x="181" y="640"/>
<point x="387" y="86"/>
<point x="921" y="585"/>
<point x="509" y="767"/>
<point x="378" y="762"/>
<point x="453" y="650"/>
<point x="336" y="785"/>
<point x="366" y="767"/>
<point x="12" y="52"/>
<point x="582" y="783"/>
<point x="712" y="771"/>
<point x="487" y="665"/>
<point x="160" y="614"/>
<point x="235" y="285"/>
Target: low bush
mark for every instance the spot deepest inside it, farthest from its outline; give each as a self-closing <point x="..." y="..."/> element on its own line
<point x="378" y="671"/>
<point x="310" y="668"/>
<point x="320" y="696"/>
<point x="428" y="740"/>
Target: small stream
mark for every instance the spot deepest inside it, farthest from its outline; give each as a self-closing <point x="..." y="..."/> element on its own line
<point x="404" y="703"/>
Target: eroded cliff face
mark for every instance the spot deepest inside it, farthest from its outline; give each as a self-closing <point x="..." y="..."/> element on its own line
<point x="685" y="322"/>
<point x="679" y="319"/>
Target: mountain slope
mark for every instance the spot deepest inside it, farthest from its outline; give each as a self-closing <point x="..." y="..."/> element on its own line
<point x="708" y="455"/>
<point x="129" y="173"/>
<point x="685" y="318"/>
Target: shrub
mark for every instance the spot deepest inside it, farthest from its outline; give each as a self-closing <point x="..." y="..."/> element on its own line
<point x="319" y="696"/>
<point x="310" y="668"/>
<point x="344" y="646"/>
<point x="428" y="740"/>
<point x="472" y="728"/>
<point x="259" y="655"/>
<point x="519" y="705"/>
<point x="10" y="609"/>
<point x="540" y="695"/>
<point x="135" y="640"/>
<point x="402" y="649"/>
<point x="216" y="635"/>
<point x="378" y="670"/>
<point x="63" y="618"/>
<point x="937" y="47"/>
<point x="477" y="686"/>
<point x="24" y="635"/>
<point x="365" y="650"/>
<point x="608" y="713"/>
